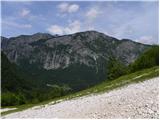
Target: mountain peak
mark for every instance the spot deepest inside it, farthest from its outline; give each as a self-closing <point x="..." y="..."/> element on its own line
<point x="90" y="32"/>
<point x="41" y="34"/>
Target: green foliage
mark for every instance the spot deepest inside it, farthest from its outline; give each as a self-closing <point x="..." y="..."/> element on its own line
<point x="9" y="98"/>
<point x="148" y="59"/>
<point x="76" y="76"/>
<point x="17" y="91"/>
<point x="115" y="69"/>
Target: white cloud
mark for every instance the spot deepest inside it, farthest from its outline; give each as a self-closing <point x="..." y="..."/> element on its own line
<point x="132" y="23"/>
<point x="55" y="29"/>
<point x="123" y="31"/>
<point x="63" y="7"/>
<point x="17" y="25"/>
<point x="68" y="8"/>
<point x="93" y="13"/>
<point x="146" y="40"/>
<point x="24" y="12"/>
<point x="72" y="27"/>
<point x="73" y="8"/>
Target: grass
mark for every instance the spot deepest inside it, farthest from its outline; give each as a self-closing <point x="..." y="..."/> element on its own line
<point x="106" y="86"/>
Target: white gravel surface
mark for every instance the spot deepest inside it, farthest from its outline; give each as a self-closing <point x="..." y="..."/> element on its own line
<point x="138" y="100"/>
<point x="7" y="109"/>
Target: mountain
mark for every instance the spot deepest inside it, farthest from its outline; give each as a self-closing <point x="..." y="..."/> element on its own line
<point x="79" y="60"/>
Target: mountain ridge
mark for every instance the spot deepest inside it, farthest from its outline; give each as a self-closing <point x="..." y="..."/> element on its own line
<point x="46" y="36"/>
<point x="57" y="35"/>
<point x="82" y="58"/>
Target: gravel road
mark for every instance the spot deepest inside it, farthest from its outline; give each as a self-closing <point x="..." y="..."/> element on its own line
<point x="138" y="100"/>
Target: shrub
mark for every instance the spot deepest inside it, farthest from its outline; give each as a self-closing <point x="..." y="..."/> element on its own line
<point x="115" y="69"/>
<point x="8" y="99"/>
<point x="148" y="59"/>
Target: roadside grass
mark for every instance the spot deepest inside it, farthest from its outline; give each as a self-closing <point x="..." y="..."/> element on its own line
<point x="106" y="86"/>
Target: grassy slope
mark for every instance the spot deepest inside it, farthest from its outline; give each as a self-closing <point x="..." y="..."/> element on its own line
<point x="103" y="87"/>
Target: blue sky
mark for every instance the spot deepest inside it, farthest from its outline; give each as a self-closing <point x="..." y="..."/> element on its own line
<point x="133" y="20"/>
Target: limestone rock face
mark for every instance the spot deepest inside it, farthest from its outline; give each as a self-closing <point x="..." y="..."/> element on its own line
<point x="52" y="52"/>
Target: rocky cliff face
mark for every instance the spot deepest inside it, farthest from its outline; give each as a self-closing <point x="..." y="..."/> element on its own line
<point x="90" y="49"/>
<point x="53" y="52"/>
